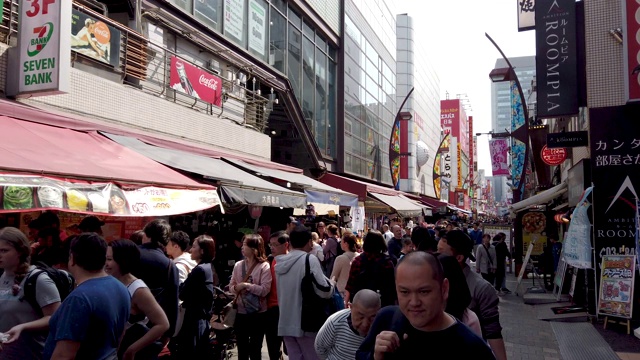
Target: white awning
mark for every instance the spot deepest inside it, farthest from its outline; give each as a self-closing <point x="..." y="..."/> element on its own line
<point x="402" y="205"/>
<point x="540" y="198"/>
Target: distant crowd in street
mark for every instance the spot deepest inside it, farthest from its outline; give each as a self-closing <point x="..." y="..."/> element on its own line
<point x="398" y="293"/>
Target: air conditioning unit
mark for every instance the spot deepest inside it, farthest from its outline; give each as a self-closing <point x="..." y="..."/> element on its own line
<point x="214" y="66"/>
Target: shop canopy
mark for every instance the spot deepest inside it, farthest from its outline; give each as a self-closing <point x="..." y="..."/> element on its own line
<point x="388" y="197"/>
<point x="541" y="198"/>
<point x="455" y="208"/>
<point x="402" y="205"/>
<point x="236" y="185"/>
<point x="40" y="149"/>
<point x="316" y="191"/>
<point x="47" y="167"/>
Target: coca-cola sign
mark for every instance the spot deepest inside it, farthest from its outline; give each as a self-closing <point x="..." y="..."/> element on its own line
<point x="195" y="82"/>
<point x="93" y="38"/>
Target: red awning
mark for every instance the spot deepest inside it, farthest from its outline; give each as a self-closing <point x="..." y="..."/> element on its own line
<point x="33" y="148"/>
<point x="433" y="202"/>
<point x="357" y="187"/>
<point x="52" y="117"/>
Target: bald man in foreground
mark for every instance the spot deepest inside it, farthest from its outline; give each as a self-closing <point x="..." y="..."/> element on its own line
<point x="344" y="331"/>
<point x="419" y="327"/>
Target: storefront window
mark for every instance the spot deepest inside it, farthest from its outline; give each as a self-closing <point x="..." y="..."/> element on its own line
<point x="332" y="126"/>
<point x="308" y="77"/>
<point x="294" y="63"/>
<point x="281" y="5"/>
<point x="257" y="29"/>
<point x="278" y="40"/>
<point x="234" y="20"/>
<point x="295" y="18"/>
<point x="321" y="101"/>
<point x="208" y="11"/>
<point x="186" y="5"/>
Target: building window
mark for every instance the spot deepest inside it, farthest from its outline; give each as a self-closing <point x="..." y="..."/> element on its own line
<point x="294" y="61"/>
<point x="321" y="101"/>
<point x="278" y="40"/>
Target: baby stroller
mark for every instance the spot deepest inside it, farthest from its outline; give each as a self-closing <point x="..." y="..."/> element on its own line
<point x="222" y="338"/>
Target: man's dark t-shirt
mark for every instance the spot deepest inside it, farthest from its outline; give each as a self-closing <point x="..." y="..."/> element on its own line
<point x="454" y="342"/>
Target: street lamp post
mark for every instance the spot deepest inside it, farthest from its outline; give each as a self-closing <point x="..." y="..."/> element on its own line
<point x="521" y="133"/>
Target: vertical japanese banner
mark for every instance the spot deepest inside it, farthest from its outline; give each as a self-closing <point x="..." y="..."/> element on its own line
<point x="518" y="147"/>
<point x="557" y="60"/>
<point x="615" y="153"/>
<point x="453" y="152"/>
<point x="498" y="149"/>
<point x="442" y="167"/>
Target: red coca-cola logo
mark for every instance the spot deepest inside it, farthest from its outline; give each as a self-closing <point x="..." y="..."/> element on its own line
<point x="554" y="156"/>
<point x="211" y="83"/>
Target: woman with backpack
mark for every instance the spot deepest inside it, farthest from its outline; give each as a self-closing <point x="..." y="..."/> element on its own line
<point x="343" y="262"/>
<point x="26" y="323"/>
<point x="373" y="270"/>
<point x="140" y="341"/>
<point x="196" y="293"/>
<point x="251" y="282"/>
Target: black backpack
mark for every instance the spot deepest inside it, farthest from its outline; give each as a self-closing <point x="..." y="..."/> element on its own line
<point x="315" y="310"/>
<point x="65" y="283"/>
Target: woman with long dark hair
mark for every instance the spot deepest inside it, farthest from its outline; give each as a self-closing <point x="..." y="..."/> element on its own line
<point x="373" y="270"/>
<point x="25" y="322"/>
<point x="196" y="293"/>
<point x="251" y="282"/>
<point x="140" y="341"/>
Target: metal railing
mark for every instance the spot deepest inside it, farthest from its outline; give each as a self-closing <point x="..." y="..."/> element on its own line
<point x="146" y="65"/>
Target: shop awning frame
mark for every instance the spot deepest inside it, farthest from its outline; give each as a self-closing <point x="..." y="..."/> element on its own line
<point x="540" y="199"/>
<point x="400" y="204"/>
<point x="40" y="149"/>
<point x="316" y="191"/>
<point x="235" y="184"/>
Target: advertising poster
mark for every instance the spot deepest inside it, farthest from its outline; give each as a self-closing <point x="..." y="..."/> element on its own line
<point x="616" y="291"/>
<point x="195" y="82"/>
<point x="577" y="242"/>
<point x="494" y="230"/>
<point x="498" y="149"/>
<point x="95" y="39"/>
<point x="442" y="167"/>
<point x="207" y="10"/>
<point x="29" y="193"/>
<point x="533" y="226"/>
<point x="615" y="170"/>
<point x="234" y="18"/>
<point x="518" y="146"/>
<point x="257" y="26"/>
<point x="526" y="15"/>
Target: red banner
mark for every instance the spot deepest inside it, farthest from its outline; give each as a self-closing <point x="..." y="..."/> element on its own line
<point x="195" y="82"/>
<point x="632" y="49"/>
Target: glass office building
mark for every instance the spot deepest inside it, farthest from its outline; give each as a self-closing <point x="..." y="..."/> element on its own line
<point x="525" y="67"/>
<point x="277" y="33"/>
<point x="369" y="88"/>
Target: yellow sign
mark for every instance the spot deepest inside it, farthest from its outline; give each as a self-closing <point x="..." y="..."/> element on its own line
<point x="459" y="165"/>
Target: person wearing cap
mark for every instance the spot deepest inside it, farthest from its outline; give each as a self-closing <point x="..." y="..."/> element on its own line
<point x="484" y="300"/>
<point x="91" y="224"/>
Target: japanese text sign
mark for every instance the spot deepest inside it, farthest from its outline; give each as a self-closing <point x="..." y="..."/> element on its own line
<point x="616" y="290"/>
<point x="526" y="14"/>
<point x="43" y="60"/>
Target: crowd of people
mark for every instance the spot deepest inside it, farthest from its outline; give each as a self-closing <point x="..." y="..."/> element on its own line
<point x="405" y="290"/>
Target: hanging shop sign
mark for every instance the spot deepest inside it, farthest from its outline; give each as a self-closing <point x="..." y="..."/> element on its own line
<point x="576" y="250"/>
<point x="95" y="39"/>
<point x="520" y="139"/>
<point x="568" y="139"/>
<point x="631" y="44"/>
<point x="41" y="62"/>
<point x="616" y="291"/>
<point x="195" y="82"/>
<point x="526" y="15"/>
<point x="28" y="193"/>
<point x="556" y="62"/>
<point x="553" y="157"/>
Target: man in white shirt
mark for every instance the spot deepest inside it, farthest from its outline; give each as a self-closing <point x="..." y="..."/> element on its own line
<point x="177" y="250"/>
<point x="388" y="235"/>
<point x="343" y="332"/>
